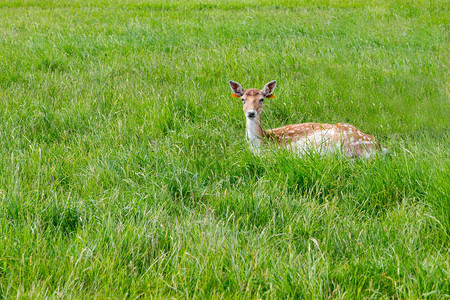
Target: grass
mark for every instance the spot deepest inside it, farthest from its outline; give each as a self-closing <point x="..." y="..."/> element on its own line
<point x="125" y="172"/>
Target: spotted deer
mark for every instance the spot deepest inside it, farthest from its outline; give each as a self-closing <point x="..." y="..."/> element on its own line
<point x="305" y="137"/>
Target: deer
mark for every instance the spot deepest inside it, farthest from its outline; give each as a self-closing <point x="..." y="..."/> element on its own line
<point x="301" y="138"/>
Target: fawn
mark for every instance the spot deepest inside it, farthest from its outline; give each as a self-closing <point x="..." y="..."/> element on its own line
<point x="305" y="137"/>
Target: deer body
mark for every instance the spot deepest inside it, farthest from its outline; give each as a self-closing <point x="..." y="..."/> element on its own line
<point x="305" y="137"/>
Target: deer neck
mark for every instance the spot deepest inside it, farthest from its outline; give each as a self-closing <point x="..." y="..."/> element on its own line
<point x="254" y="133"/>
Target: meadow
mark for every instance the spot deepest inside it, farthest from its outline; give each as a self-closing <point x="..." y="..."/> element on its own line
<point x="124" y="167"/>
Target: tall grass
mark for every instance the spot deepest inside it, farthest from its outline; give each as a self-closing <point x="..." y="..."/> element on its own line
<point x="125" y="172"/>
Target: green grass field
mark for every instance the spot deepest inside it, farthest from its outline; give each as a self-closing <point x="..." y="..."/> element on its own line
<point x="124" y="167"/>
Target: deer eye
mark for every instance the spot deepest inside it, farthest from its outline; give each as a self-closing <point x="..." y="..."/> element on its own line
<point x="243" y="100"/>
<point x="261" y="100"/>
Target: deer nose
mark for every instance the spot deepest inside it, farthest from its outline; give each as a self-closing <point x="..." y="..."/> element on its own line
<point x="251" y="113"/>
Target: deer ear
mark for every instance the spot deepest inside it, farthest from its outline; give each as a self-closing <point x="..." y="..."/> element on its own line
<point x="237" y="89"/>
<point x="268" y="89"/>
<point x="270" y="96"/>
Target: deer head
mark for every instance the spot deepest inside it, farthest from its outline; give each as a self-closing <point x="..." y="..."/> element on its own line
<point x="253" y="99"/>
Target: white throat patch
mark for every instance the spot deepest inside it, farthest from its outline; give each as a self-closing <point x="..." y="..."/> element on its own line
<point x="254" y="140"/>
